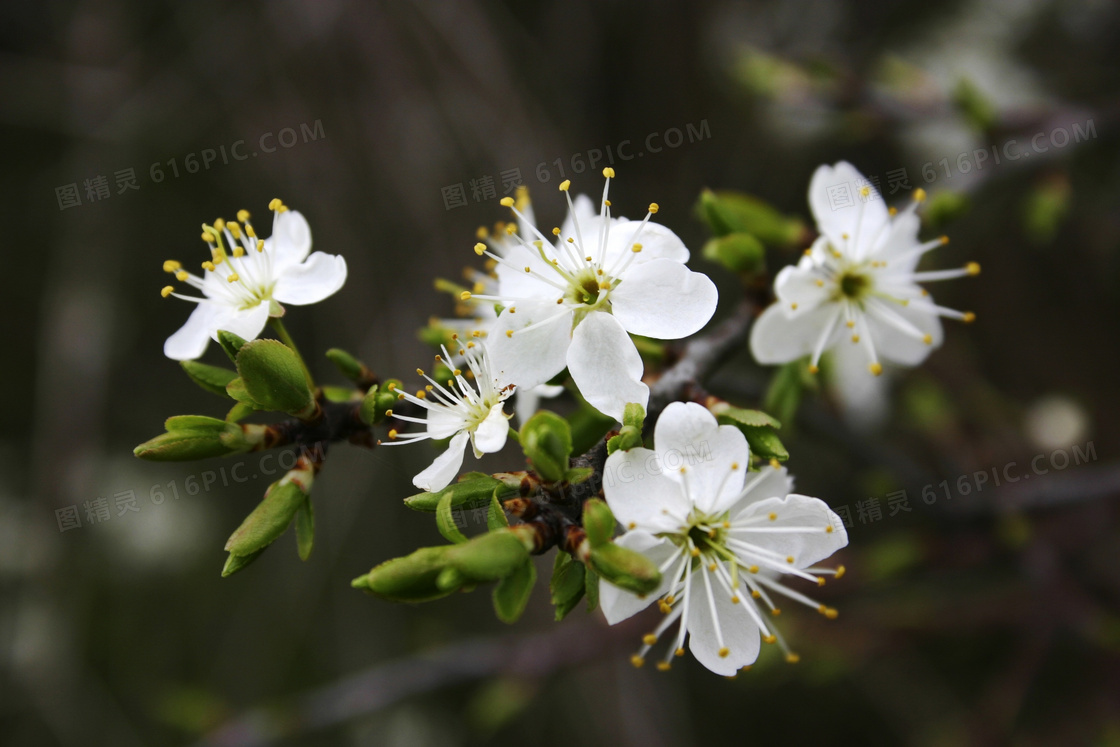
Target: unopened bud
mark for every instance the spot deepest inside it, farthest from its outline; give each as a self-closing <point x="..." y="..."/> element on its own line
<point x="274" y="377"/>
<point x="625" y="568"/>
<point x="546" y="439"/>
<point x="598" y="522"/>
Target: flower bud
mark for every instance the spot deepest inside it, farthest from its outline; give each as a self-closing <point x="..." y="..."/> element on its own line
<point x="349" y="366"/>
<point x="731" y="212"/>
<point x="488" y="557"/>
<point x="274" y="377"/>
<point x="379" y="400"/>
<point x="630" y="435"/>
<point x="738" y="252"/>
<point x="413" y="578"/>
<point x="598" y="522"/>
<point x="546" y="439"/>
<point x="625" y="568"/>
<point x="191" y="437"/>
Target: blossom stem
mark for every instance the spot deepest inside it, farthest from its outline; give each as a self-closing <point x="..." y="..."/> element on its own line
<point x="282" y="333"/>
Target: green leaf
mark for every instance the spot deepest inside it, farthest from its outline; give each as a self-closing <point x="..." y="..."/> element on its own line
<point x="546" y="439"/>
<point x="230" y="343"/>
<point x="511" y="595"/>
<point x="445" y="522"/>
<point x="305" y="529"/>
<point x="268" y="520"/>
<point x="182" y="446"/>
<point x="273" y="376"/>
<point x="239" y="412"/>
<point x="496" y="515"/>
<point x="211" y="378"/>
<point x="202" y="423"/>
<point x="591" y="588"/>
<point x="236" y="389"/>
<point x="567" y="584"/>
<point x="764" y="442"/>
<point x="728" y="414"/>
<point x="235" y="563"/>
<point x="337" y="393"/>
<point x="625" y="568"/>
<point x="473" y="490"/>
<point x="784" y="393"/>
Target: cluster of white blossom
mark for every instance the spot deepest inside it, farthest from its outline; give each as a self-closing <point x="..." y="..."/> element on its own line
<point x="723" y="534"/>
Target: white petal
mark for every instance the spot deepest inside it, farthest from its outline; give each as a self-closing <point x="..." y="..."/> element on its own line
<point x="768" y="482"/>
<point x="190" y="341"/>
<point x="290" y="242"/>
<point x="658" y="242"/>
<point x="663" y="299"/>
<point x="899" y="347"/>
<point x="245" y="323"/>
<point x="862" y="396"/>
<point x="798" y="292"/>
<point x="839" y="209"/>
<point x="806" y="548"/>
<point x="897" y="241"/>
<point x="445" y="467"/>
<point x="639" y="493"/>
<point x="515" y="283"/>
<point x="605" y="365"/>
<point x="618" y="604"/>
<point x="741" y="635"/>
<point x="444" y="422"/>
<point x="311" y="281"/>
<point x="713" y="457"/>
<point x="775" y="338"/>
<point x="534" y="356"/>
<point x="490" y="435"/>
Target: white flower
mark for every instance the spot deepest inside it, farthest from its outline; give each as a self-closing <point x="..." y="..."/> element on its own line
<point x="247" y="278"/>
<point x="481" y="314"/>
<point x="722" y="537"/>
<point x="460" y="412"/>
<point x="857" y="284"/>
<point x="572" y="304"/>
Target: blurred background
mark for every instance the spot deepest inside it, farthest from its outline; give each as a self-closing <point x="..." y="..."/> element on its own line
<point x="971" y="613"/>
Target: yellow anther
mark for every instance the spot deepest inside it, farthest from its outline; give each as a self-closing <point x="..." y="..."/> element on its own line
<point x="723" y="652"/>
<point x="712" y="566"/>
<point x="388" y="413"/>
<point x="250" y="232"/>
<point x="234" y="229"/>
<point x="607" y="203"/>
<point x="892" y="210"/>
<point x="695" y="552"/>
<point x="171" y="265"/>
<point x="182" y="276"/>
<point x="167" y="290"/>
<point x="944" y="240"/>
<point x="243" y="215"/>
<point x="973" y="268"/>
<point x="734" y="466"/>
<point x="206" y="237"/>
<point x="664" y="666"/>
<point x="756" y="594"/>
<point x="876" y="368"/>
<point x="419" y="372"/>
<point x="238" y="251"/>
<point x="855" y="338"/>
<point x="556" y="231"/>
<point x="827" y="530"/>
<point x="792" y="658"/>
<point x="793" y="306"/>
<point x="814" y="369"/>
<point x="219" y="224"/>
<point x="769" y="638"/>
<point x="735" y="599"/>
<point x="928" y="339"/>
<point x="864" y="191"/>
<point x="208" y="266"/>
<point x="421" y="394"/>
<point x="565" y="184"/>
<point x="571" y="240"/>
<point x="636" y="248"/>
<point x="753" y="569"/>
<point x="968" y="317"/>
<point x="679" y="652"/>
<point x="850" y="323"/>
<point x="773" y="516"/>
<point x="840" y="572"/>
<point x="392" y="433"/>
<point x="233" y="277"/>
<point x="919" y="195"/>
<point x="653" y="208"/>
<point x="392" y="386"/>
<point x="480" y="248"/>
<point x="775" y="463"/>
<point x="465" y="296"/>
<point x="684" y="470"/>
<point x="637" y="661"/>
<point x="260" y="245"/>
<point x="509" y="333"/>
<point x="820" y="283"/>
<point x="775" y="612"/>
<point x="789" y="559"/>
<point x="275" y="204"/>
<point x="649" y="639"/>
<point x="631" y="526"/>
<point x="608" y="172"/>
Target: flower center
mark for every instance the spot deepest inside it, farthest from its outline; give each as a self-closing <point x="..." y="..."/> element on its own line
<point x="853" y="284"/>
